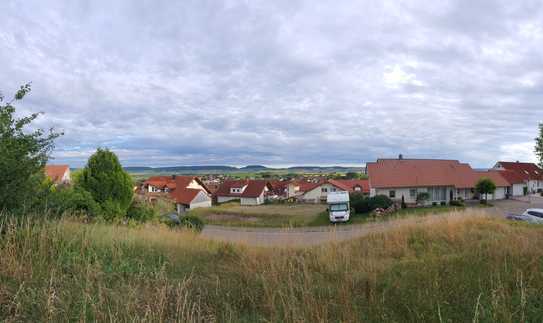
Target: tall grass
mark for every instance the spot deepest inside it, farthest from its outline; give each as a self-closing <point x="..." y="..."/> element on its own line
<point x="456" y="268"/>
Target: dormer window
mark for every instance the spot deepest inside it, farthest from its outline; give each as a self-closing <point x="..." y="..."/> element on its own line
<point x="235" y="190"/>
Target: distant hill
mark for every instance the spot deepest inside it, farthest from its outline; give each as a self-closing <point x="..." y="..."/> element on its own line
<point x="222" y="169"/>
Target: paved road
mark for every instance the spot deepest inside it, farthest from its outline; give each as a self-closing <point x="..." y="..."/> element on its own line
<point x="308" y="236"/>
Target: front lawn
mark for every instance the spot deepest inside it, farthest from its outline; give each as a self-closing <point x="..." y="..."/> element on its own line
<point x="267" y="215"/>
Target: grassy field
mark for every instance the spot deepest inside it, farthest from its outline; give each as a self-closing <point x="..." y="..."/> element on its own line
<point x="455" y="268"/>
<point x="268" y="215"/>
<point x="292" y="215"/>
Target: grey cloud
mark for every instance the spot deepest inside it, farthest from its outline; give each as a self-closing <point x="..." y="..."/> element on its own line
<point x="279" y="82"/>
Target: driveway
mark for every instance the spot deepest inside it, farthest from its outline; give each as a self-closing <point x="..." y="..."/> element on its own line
<point x="309" y="236"/>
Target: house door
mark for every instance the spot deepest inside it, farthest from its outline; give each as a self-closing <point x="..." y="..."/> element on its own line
<point x="451" y="195"/>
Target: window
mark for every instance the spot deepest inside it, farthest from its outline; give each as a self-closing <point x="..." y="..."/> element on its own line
<point x="333" y="189"/>
<point x="392" y="194"/>
<point x="413" y="193"/>
<point x="338" y="207"/>
<point x="536" y="214"/>
<point x="324" y="190"/>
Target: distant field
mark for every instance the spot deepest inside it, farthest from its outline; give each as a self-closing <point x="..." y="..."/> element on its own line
<point x="455" y="268"/>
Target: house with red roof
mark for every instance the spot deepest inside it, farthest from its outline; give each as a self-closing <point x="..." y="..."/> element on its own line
<point x="529" y="174"/>
<point x="248" y="192"/>
<point x="443" y="180"/>
<point x="58" y="174"/>
<point x="187" y="192"/>
<point x="318" y="192"/>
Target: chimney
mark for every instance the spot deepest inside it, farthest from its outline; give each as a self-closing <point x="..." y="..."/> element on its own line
<point x="173" y="176"/>
<point x="400" y="157"/>
<point x="518" y="161"/>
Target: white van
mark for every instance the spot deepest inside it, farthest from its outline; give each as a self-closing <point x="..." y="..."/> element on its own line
<point x="339" y="209"/>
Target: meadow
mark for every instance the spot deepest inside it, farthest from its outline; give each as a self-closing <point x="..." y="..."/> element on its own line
<point x="459" y="267"/>
<point x="291" y="215"/>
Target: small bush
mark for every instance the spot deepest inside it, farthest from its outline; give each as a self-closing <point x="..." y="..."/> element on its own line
<point x="456" y="203"/>
<point x="363" y="204"/>
<point x="434" y="203"/>
<point x="404" y="206"/>
<point x="192" y="222"/>
<point x="141" y="212"/>
<point x="443" y="203"/>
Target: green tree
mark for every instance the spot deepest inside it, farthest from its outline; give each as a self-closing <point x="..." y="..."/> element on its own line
<point x="105" y="179"/>
<point x="23" y="154"/>
<point x="539" y="146"/>
<point x="485" y="186"/>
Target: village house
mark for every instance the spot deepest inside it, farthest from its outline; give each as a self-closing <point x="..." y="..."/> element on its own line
<point x="443" y="180"/>
<point x="529" y="176"/>
<point x="187" y="192"/>
<point x="317" y="192"/>
<point x="58" y="174"/>
<point x="248" y="192"/>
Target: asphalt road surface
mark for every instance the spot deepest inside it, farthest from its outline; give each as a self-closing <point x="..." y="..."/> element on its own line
<point x="309" y="236"/>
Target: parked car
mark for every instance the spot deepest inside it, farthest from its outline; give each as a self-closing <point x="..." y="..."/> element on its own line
<point x="534" y="216"/>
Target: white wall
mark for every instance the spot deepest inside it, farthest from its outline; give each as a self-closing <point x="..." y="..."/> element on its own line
<point x="316" y="194"/>
<point x="518" y="189"/>
<point x="252" y="200"/>
<point x="201" y="200"/>
<point x="401" y="191"/>
<point x="222" y="199"/>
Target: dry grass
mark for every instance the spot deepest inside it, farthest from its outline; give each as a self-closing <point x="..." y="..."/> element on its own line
<point x="269" y="215"/>
<point x="456" y="268"/>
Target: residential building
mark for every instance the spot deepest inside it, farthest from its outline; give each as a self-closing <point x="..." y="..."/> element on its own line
<point x="443" y="180"/>
<point x="248" y="192"/>
<point x="187" y="192"/>
<point x="58" y="174"/>
<point x="531" y="175"/>
<point x="318" y="192"/>
<point x="190" y="193"/>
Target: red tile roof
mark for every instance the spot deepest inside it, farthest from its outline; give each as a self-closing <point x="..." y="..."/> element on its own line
<point x="56" y="172"/>
<point x="528" y="171"/>
<point x="185" y="195"/>
<point x="494" y="175"/>
<point x="254" y="188"/>
<point x="349" y="185"/>
<point x="512" y="177"/>
<point x="397" y="173"/>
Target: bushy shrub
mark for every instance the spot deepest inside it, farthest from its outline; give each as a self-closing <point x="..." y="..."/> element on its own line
<point x="443" y="203"/>
<point x="381" y="202"/>
<point x="456" y="203"/>
<point x="363" y="204"/>
<point x="112" y="210"/>
<point x="141" y="211"/>
<point x="192" y="222"/>
<point x="62" y="200"/>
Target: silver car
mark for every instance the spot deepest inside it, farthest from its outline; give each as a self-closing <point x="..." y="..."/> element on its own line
<point x="534" y="216"/>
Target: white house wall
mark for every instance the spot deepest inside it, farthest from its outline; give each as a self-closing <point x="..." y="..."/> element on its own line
<point x="201" y="200"/>
<point x="222" y="199"/>
<point x="253" y="200"/>
<point x="316" y="194"/>
<point x="518" y="189"/>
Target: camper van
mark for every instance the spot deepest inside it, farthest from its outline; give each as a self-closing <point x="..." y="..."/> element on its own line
<point x="339" y="209"/>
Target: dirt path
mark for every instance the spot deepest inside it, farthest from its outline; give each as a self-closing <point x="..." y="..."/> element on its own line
<point x="302" y="237"/>
<point x="308" y="236"/>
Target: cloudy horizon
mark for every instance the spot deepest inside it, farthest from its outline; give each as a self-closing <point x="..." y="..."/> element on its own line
<point x="167" y="83"/>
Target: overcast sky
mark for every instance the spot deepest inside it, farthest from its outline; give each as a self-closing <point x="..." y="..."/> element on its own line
<point x="279" y="82"/>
